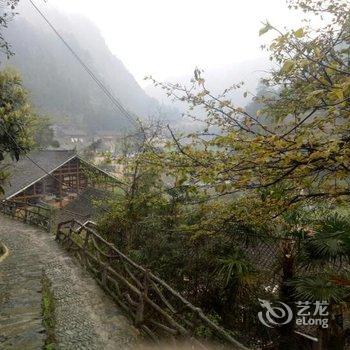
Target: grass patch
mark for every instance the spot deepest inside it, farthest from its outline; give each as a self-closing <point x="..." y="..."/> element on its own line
<point x="48" y="310"/>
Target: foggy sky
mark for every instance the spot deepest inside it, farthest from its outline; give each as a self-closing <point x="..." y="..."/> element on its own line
<point x="168" y="38"/>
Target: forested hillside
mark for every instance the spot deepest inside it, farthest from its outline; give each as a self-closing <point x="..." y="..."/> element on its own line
<point x="58" y="84"/>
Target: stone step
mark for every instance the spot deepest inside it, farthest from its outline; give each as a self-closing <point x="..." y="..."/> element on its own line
<point x="85" y="318"/>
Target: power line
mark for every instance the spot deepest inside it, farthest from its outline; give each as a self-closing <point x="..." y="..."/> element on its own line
<point x="115" y="102"/>
<point x="113" y="99"/>
<point x="101" y="207"/>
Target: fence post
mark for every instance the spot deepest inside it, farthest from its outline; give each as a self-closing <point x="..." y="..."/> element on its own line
<point x="140" y="312"/>
<point x="25" y="215"/>
<point x="48" y="224"/>
<point x="85" y="247"/>
<point x="104" y="274"/>
<point x="69" y="236"/>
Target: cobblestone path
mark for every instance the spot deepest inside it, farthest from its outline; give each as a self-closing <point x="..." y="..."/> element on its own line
<point x="85" y="317"/>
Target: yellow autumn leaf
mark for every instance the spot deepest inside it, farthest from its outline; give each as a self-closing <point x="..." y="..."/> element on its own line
<point x="338" y="93"/>
<point x="299" y="33"/>
<point x="287" y="66"/>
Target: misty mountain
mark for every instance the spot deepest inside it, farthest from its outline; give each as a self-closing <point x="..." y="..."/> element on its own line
<point x="57" y="83"/>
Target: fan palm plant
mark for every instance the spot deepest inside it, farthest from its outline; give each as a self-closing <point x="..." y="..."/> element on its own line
<point x="322" y="268"/>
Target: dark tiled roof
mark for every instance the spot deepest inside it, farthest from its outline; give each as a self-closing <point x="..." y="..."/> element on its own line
<point x="24" y="172"/>
<point x="84" y="207"/>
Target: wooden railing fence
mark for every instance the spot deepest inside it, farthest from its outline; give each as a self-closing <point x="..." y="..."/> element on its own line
<point x="28" y="213"/>
<point x="155" y="307"/>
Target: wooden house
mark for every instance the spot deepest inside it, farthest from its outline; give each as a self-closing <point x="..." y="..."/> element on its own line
<point x="54" y="177"/>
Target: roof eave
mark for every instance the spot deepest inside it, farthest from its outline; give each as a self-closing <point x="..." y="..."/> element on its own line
<point x="39" y="179"/>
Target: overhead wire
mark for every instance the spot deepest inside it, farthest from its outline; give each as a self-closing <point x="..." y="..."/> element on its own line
<point x="115" y="102"/>
<point x="112" y="98"/>
<point x="101" y="207"/>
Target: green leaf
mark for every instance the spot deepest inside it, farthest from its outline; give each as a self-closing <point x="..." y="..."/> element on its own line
<point x="339" y="93"/>
<point x="287" y="66"/>
<point x="299" y="33"/>
<point x="265" y="29"/>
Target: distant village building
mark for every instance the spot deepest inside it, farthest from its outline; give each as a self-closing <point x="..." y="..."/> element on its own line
<point x="70" y="137"/>
<point x="107" y="140"/>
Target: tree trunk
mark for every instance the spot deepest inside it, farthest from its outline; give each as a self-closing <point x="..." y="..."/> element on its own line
<point x="288" y="339"/>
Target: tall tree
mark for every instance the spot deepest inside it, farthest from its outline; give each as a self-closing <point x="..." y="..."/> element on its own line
<point x="290" y="154"/>
<point x="304" y="148"/>
<point x="16" y="119"/>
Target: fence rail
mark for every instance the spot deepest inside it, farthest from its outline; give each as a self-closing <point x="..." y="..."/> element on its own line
<point x="28" y="213"/>
<point x="154" y="306"/>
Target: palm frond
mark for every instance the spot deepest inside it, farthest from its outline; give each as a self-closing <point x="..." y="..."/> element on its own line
<point x="319" y="287"/>
<point x="331" y="239"/>
<point x="235" y="268"/>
